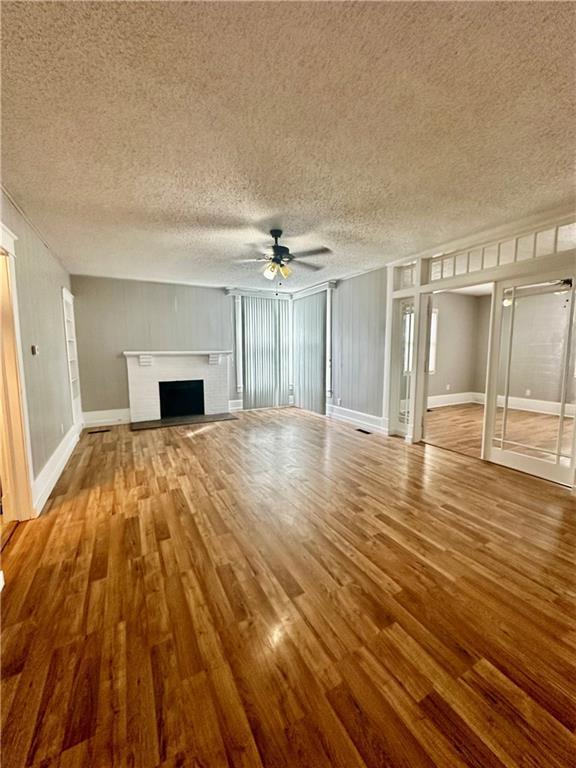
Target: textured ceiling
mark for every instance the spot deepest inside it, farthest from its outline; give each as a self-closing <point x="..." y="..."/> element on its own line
<point x="156" y="140"/>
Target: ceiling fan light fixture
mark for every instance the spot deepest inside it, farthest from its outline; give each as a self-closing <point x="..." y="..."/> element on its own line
<point x="285" y="270"/>
<point x="270" y="271"/>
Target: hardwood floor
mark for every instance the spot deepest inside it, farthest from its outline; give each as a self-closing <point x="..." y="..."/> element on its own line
<point x="459" y="428"/>
<point x="283" y="590"/>
<point x="456" y="427"/>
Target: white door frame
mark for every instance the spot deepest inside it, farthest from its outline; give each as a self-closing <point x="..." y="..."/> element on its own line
<point x="15" y="450"/>
<point x="531" y="465"/>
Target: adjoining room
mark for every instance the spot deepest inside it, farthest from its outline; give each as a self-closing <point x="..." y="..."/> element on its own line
<point x="287" y="385"/>
<point x="458" y="356"/>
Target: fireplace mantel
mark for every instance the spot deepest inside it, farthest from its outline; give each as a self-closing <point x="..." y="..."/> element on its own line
<point x="180" y="352"/>
<point x="147" y="368"/>
<point x="146" y="357"/>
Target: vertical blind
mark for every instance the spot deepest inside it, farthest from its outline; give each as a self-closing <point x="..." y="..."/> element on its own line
<point x="266" y="354"/>
<point x="310" y="352"/>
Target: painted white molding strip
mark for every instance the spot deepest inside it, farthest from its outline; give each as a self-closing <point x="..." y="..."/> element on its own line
<point x="263" y="294"/>
<point x="236" y="405"/>
<point x="239" y="346"/>
<point x="376" y="424"/>
<point x="49" y="474"/>
<point x="515" y="228"/>
<point x="176" y="353"/>
<point x="536" y="406"/>
<point x="454" y="398"/>
<point x="326" y="286"/>
<point x="106" y="418"/>
<point x="516" y="403"/>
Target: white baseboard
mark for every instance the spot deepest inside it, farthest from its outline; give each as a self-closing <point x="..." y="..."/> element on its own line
<point x="538" y="406"/>
<point x="105" y="418"/>
<point x="48" y="477"/>
<point x="517" y="403"/>
<point x="235" y="405"/>
<point x="454" y="398"/>
<point x="358" y="419"/>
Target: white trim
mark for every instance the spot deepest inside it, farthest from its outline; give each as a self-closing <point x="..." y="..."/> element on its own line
<point x="105" y="418"/>
<point x="1" y="580"/>
<point x="376" y="424"/>
<point x="177" y="353"/>
<point x="454" y="398"/>
<point x="487" y="237"/>
<point x="236" y="405"/>
<point x="328" y="347"/>
<point x="531" y="268"/>
<point x="291" y="386"/>
<point x="263" y="294"/>
<point x="327" y="286"/>
<point x="557" y="473"/>
<point x="387" y="386"/>
<point x="239" y="345"/>
<point x="536" y="406"/>
<point x="515" y="403"/>
<point x="48" y="477"/>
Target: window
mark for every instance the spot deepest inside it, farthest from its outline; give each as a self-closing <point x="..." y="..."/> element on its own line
<point x="433" y="341"/>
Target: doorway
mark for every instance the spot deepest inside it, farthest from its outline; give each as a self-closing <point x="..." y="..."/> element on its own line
<point x="455" y="383"/>
<point x="532" y="402"/>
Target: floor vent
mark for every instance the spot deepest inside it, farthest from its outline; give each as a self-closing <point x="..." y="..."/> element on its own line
<point x="364" y="431"/>
<point x="98" y="431"/>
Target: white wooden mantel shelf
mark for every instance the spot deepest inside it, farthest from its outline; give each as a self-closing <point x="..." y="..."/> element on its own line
<point x="147" y="357"/>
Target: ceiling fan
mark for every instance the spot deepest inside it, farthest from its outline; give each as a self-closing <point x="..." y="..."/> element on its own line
<point x="278" y="258"/>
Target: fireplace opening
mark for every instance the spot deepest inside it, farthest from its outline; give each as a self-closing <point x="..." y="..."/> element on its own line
<point x="181" y="398"/>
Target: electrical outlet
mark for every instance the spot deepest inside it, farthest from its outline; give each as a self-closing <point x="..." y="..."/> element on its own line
<point x="339" y="401"/>
<point x="528" y="393"/>
<point x="448" y="387"/>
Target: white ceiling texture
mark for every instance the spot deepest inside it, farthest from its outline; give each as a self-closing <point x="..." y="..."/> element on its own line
<point x="160" y="140"/>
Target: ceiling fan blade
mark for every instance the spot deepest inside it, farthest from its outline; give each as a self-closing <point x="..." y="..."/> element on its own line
<point x="313" y="267"/>
<point x="312" y="252"/>
<point x="251" y="261"/>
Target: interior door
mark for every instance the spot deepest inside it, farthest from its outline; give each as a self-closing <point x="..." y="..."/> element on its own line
<point x="532" y="384"/>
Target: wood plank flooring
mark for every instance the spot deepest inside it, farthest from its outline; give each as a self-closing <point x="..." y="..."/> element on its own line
<point x="284" y="591"/>
<point x="459" y="428"/>
<point x="456" y="427"/>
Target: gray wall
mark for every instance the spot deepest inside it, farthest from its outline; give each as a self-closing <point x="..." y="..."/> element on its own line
<point x="483" y="305"/>
<point x="456" y="344"/>
<point x="463" y="328"/>
<point x="116" y="315"/>
<point x="540" y="324"/>
<point x="359" y="321"/>
<point x="39" y="281"/>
